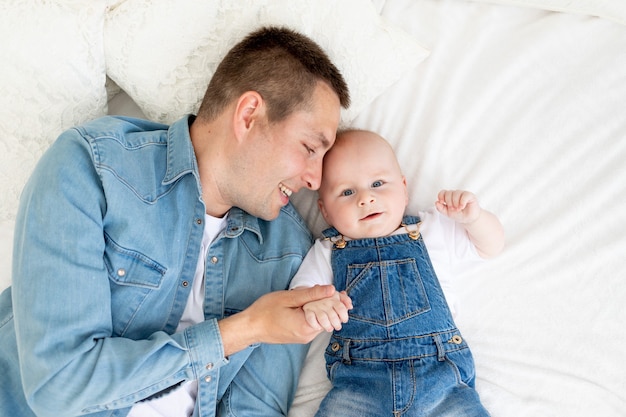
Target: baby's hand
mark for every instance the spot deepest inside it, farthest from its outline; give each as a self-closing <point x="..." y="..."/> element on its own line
<point x="461" y="206"/>
<point x="328" y="313"/>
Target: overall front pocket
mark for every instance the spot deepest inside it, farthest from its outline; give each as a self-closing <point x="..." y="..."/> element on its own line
<point x="388" y="292"/>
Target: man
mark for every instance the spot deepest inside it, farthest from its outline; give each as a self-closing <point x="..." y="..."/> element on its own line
<point x="151" y="261"/>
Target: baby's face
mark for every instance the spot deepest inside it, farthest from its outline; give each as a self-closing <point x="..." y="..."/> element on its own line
<point x="363" y="192"/>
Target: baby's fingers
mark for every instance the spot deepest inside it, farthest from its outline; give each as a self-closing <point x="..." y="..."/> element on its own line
<point x="311" y="319"/>
<point x="329" y="322"/>
<point x="346" y="300"/>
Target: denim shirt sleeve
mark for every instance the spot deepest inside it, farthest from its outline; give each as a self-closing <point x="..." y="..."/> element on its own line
<point x="72" y="360"/>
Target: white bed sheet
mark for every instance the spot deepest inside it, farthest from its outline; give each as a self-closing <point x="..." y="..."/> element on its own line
<point x="527" y="109"/>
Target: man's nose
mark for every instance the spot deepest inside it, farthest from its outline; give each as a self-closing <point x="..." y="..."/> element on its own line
<point x="313" y="175"/>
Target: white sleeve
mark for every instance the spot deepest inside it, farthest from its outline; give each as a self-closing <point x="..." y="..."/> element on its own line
<point x="315" y="268"/>
<point x="450" y="250"/>
<point x="446" y="239"/>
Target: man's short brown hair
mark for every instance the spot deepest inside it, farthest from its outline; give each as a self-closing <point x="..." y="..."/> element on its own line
<point x="282" y="65"/>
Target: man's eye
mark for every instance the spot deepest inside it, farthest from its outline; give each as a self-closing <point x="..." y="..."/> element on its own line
<point x="377" y="184"/>
<point x="310" y="150"/>
<point x="347" y="193"/>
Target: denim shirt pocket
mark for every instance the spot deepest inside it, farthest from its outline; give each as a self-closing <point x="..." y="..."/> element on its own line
<point x="129" y="267"/>
<point x="133" y="278"/>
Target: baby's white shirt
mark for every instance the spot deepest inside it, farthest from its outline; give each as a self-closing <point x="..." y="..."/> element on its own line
<point x="447" y="243"/>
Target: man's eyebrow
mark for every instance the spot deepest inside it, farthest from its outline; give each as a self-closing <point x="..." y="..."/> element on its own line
<point x="323" y="140"/>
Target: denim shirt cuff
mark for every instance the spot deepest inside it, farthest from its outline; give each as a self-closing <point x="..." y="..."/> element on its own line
<point x="205" y="347"/>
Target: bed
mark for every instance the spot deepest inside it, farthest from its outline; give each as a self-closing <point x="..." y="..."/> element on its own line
<point x="521" y="101"/>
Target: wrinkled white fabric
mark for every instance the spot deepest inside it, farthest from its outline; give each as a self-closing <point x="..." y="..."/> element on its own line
<point x="52" y="77"/>
<point x="163" y="53"/>
<point x="614" y="10"/>
<point x="525" y="108"/>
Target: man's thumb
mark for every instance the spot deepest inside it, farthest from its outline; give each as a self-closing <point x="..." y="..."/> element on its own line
<point x="302" y="296"/>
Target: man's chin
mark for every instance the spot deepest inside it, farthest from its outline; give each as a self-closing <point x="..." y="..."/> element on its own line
<point x="269" y="218"/>
<point x="267" y="215"/>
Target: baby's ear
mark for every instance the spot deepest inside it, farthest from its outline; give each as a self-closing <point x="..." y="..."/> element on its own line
<point x="320" y="205"/>
<point x="406" y="191"/>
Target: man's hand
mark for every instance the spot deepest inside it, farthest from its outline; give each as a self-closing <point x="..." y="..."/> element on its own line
<point x="276" y="317"/>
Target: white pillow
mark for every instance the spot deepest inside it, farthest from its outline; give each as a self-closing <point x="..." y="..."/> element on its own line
<point x="52" y="77"/>
<point x="614" y="10"/>
<point x="163" y="53"/>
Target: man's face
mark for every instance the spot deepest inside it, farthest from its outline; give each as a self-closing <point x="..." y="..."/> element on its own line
<point x="286" y="156"/>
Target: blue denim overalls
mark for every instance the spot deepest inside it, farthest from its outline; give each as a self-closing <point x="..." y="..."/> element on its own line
<point x="400" y="353"/>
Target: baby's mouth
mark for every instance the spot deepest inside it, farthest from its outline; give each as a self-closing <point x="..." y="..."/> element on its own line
<point x="286" y="191"/>
<point x="371" y="216"/>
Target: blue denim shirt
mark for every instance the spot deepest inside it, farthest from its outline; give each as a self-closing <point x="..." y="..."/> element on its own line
<point x="106" y="245"/>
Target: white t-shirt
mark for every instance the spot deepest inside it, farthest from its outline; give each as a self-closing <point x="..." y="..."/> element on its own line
<point x="447" y="243"/>
<point x="181" y="401"/>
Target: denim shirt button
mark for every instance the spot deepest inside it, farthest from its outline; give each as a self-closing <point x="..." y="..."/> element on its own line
<point x="207" y="379"/>
<point x="121" y="272"/>
<point x="209" y="366"/>
<point x="214" y="260"/>
<point x="198" y="221"/>
<point x="185" y="283"/>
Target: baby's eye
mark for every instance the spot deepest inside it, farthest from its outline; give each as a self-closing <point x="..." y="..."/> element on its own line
<point x="377" y="184"/>
<point x="309" y="150"/>
<point x="347" y="193"/>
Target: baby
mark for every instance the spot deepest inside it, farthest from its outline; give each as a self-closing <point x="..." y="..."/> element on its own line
<point x="395" y="349"/>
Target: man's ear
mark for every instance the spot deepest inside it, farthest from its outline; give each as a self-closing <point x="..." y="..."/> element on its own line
<point x="249" y="108"/>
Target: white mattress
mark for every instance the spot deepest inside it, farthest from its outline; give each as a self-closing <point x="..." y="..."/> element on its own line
<point x="526" y="108"/>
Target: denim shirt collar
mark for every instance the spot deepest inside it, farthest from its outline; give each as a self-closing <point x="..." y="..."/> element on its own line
<point x="239" y="220"/>
<point x="181" y="160"/>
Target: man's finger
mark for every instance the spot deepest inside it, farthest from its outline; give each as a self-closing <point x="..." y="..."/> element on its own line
<point x="302" y="296"/>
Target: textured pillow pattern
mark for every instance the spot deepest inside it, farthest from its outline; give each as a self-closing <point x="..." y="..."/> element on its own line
<point x="52" y="77"/>
<point x="163" y="53"/>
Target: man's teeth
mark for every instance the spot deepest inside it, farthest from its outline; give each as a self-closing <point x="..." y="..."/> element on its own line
<point x="285" y="190"/>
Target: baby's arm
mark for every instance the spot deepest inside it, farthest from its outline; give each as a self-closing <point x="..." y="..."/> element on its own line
<point x="328" y="313"/>
<point x="483" y="227"/>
